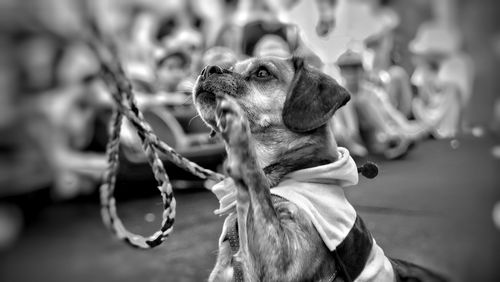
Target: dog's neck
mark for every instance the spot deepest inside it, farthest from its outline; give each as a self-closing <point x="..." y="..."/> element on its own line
<point x="281" y="151"/>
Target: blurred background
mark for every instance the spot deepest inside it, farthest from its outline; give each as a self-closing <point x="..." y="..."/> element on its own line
<point x="423" y="75"/>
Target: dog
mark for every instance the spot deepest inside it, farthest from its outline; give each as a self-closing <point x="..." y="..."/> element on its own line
<point x="288" y="218"/>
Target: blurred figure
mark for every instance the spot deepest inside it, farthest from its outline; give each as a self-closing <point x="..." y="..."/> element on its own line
<point x="251" y="21"/>
<point x="183" y="28"/>
<point x="45" y="152"/>
<point x="384" y="128"/>
<point x="136" y="40"/>
<point x="222" y="17"/>
<point x="161" y="102"/>
<point x="49" y="123"/>
<point x="171" y="84"/>
<point x="326" y="22"/>
<point x="495" y="123"/>
<point x="192" y="44"/>
<point x="272" y="45"/>
<point x="345" y="123"/>
<point x="17" y="159"/>
<point x="220" y="56"/>
<point x="444" y="78"/>
<point x="171" y="69"/>
<point x="379" y="60"/>
<point x="153" y="33"/>
<point x="63" y="122"/>
<point x="346" y="127"/>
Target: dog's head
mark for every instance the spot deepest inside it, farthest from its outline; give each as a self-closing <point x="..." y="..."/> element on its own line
<point x="288" y="103"/>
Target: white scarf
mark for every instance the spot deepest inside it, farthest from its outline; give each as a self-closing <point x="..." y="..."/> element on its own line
<point x="318" y="191"/>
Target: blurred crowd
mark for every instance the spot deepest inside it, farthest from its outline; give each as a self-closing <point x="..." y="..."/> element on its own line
<point x="54" y="107"/>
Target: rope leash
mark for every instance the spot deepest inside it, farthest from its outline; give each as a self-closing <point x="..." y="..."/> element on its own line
<point x="126" y="107"/>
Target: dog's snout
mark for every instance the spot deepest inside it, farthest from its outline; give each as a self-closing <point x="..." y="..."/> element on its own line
<point x="209" y="70"/>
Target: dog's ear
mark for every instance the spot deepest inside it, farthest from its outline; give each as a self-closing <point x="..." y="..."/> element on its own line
<point x="312" y="99"/>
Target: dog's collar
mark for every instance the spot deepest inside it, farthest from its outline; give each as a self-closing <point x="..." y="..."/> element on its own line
<point x="341" y="173"/>
<point x="275" y="171"/>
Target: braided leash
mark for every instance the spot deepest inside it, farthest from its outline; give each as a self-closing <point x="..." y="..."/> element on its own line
<point x="121" y="90"/>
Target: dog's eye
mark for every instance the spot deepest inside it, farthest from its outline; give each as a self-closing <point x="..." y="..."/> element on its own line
<point x="262" y="73"/>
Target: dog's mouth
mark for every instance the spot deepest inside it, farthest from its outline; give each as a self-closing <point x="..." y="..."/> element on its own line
<point x="204" y="97"/>
<point x="206" y="91"/>
<point x="205" y="103"/>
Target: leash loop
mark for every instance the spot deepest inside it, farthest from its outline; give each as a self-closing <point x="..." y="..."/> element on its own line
<point x="126" y="107"/>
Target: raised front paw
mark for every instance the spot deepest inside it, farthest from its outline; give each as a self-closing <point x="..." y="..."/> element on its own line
<point x="233" y="126"/>
<point x="232" y="123"/>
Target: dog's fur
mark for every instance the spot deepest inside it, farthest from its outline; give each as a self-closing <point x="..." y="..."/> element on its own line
<point x="274" y="116"/>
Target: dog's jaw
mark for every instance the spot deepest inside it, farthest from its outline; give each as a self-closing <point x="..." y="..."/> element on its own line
<point x="205" y="102"/>
<point x="206" y="91"/>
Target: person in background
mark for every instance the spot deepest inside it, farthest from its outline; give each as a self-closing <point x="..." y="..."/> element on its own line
<point x="272" y="45"/>
<point x="252" y="20"/>
<point x="169" y="85"/>
<point x="183" y="27"/>
<point x="220" y="56"/>
<point x="159" y="35"/>
<point x="190" y="41"/>
<point x="135" y="35"/>
<point x="171" y="70"/>
<point x="63" y="122"/>
<point x="379" y="60"/>
<point x="384" y="129"/>
<point x="495" y="123"/>
<point x="345" y="122"/>
<point x="18" y="155"/>
<point x="164" y="99"/>
<point x="48" y="122"/>
<point x="444" y="77"/>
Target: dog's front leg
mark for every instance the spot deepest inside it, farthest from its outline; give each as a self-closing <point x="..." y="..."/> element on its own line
<point x="258" y="224"/>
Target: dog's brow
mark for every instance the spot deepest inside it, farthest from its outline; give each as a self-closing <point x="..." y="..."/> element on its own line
<point x="245" y="67"/>
<point x="241" y="66"/>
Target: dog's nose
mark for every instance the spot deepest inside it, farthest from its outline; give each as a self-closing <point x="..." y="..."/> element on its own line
<point x="209" y="70"/>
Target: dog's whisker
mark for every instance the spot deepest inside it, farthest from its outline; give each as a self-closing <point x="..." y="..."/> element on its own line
<point x="219" y="117"/>
<point x="191" y="119"/>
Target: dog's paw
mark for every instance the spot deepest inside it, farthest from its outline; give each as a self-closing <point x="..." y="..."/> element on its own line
<point x="232" y="123"/>
<point x="233" y="126"/>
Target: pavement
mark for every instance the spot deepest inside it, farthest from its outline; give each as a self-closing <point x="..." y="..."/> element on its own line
<point x="433" y="208"/>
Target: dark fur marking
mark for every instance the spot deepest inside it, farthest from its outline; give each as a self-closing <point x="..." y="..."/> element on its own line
<point x="299" y="158"/>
